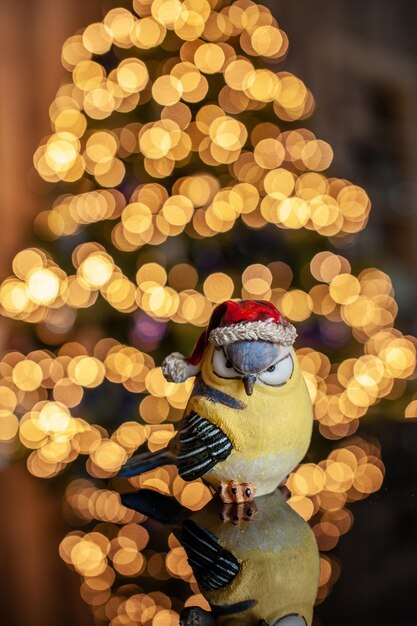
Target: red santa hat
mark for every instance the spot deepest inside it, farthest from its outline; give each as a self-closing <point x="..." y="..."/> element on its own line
<point x="245" y="320"/>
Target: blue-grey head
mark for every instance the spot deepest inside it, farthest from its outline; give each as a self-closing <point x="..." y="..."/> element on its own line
<point x="259" y="361"/>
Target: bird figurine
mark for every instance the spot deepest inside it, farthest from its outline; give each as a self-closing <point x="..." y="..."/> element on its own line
<point x="249" y="419"/>
<point x="257" y="564"/>
<point x="262" y="570"/>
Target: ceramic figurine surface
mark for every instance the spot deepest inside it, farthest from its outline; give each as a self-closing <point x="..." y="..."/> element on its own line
<point x="255" y="563"/>
<point x="262" y="571"/>
<point x="249" y="418"/>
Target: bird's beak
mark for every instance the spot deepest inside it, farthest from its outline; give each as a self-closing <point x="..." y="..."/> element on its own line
<point x="249" y="382"/>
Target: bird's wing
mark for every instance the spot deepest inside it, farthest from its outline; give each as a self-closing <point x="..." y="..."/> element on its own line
<point x="213" y="566"/>
<point x="201" y="446"/>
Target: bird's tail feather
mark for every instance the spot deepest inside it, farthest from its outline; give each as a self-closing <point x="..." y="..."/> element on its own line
<point x="162" y="508"/>
<point x="146" y="461"/>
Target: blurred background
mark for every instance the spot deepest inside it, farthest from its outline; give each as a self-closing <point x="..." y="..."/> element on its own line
<point x="360" y="62"/>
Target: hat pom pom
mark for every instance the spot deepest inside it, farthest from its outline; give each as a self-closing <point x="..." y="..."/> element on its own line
<point x="177" y="369"/>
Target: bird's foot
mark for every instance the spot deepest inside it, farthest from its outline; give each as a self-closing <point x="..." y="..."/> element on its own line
<point x="235" y="513"/>
<point x="232" y="492"/>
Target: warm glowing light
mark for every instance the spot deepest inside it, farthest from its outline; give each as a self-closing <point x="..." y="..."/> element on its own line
<point x="109" y="456"/>
<point x="61" y="151"/>
<point x="27" y="375"/>
<point x="54" y="417"/>
<point x="96" y="269"/>
<point x="43" y="286"/>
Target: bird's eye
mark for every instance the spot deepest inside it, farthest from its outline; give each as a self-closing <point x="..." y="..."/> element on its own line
<point x="222" y="366"/>
<point x="278" y="374"/>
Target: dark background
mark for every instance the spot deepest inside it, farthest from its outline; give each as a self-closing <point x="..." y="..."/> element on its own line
<point x="360" y="61"/>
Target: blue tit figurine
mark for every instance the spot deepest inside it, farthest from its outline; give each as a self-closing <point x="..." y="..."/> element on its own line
<point x="262" y="570"/>
<point x="249" y="419"/>
<point x="255" y="563"/>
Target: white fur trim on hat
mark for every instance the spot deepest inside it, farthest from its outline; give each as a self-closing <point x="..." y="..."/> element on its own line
<point x="267" y="330"/>
<point x="176" y="368"/>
